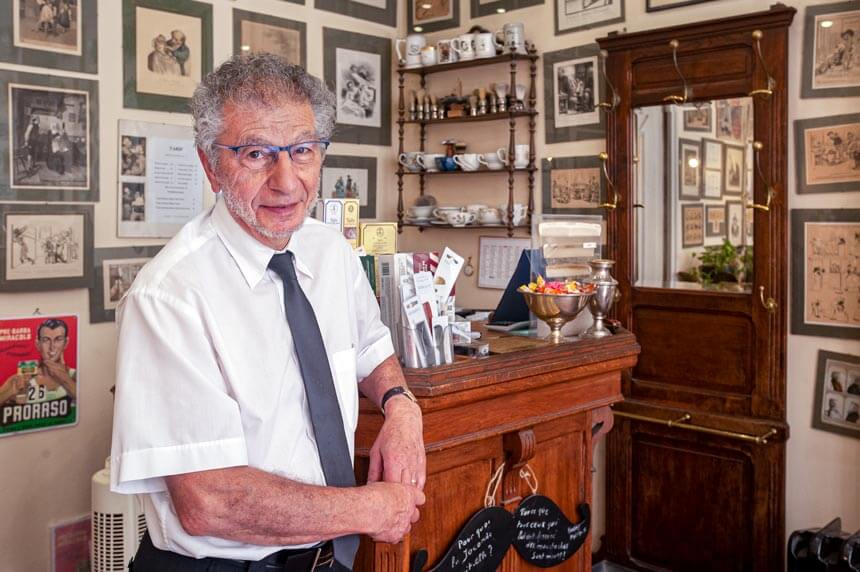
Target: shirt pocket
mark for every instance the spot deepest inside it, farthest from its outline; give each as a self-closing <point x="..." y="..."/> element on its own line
<point x="343" y="366"/>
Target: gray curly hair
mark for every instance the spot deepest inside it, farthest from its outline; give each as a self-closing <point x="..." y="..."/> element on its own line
<point x="256" y="79"/>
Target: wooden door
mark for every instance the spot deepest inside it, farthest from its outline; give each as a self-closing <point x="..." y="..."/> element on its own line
<point x="696" y="462"/>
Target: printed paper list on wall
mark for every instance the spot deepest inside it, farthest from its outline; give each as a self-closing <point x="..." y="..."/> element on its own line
<point x="160" y="179"/>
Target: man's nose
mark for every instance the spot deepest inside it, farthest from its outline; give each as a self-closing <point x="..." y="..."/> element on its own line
<point x="284" y="176"/>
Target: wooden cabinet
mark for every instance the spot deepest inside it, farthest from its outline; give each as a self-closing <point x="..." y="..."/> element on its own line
<point x="532" y="403"/>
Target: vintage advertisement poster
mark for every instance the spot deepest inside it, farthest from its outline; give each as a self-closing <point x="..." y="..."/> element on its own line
<point x="38" y="373"/>
<point x="832" y="276"/>
<point x="70" y="545"/>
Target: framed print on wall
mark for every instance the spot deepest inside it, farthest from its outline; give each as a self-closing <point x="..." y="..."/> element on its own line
<point x="254" y="32"/>
<point x="693" y="225"/>
<point x="490" y="7"/>
<point x="572" y="94"/>
<point x="657" y="5"/>
<point x="828" y="154"/>
<point x="113" y="272"/>
<point x="735" y="222"/>
<point x="830" y="36"/>
<point x="572" y="185"/>
<point x="64" y="38"/>
<point x="699" y="118"/>
<point x="715" y="218"/>
<point x="573" y="15"/>
<point x="45" y="247"/>
<point x="837" y="394"/>
<point x="733" y="169"/>
<point x="380" y="11"/>
<point x="713" y="181"/>
<point x="49" y="138"/>
<point x="357" y="67"/>
<point x="689" y="169"/>
<point x="350" y="177"/>
<point x="432" y="15"/>
<point x="167" y="50"/>
<point x="825" y="279"/>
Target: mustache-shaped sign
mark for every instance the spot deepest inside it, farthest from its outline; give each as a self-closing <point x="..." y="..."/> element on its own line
<point x="481" y="544"/>
<point x="544" y="535"/>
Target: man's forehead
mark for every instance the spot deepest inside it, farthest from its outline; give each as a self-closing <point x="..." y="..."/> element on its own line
<point x="279" y="112"/>
<point x="47" y="332"/>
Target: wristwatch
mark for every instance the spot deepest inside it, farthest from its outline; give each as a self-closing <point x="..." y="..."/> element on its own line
<point x="399" y="390"/>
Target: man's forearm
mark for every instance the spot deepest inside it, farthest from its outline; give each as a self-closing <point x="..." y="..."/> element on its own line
<point x="388" y="374"/>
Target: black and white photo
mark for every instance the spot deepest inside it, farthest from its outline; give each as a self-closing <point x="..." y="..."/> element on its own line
<point x="254" y="32"/>
<point x="117" y="276"/>
<point x="837" y="394"/>
<point x="133" y="156"/>
<point x="573" y="15"/>
<point x="350" y="177"/>
<point x="571" y="94"/>
<point x="133" y="202"/>
<point x="831" y="51"/>
<point x="357" y="89"/>
<point x="52" y="25"/>
<point x="379" y="11"/>
<point x="114" y="270"/>
<point x="432" y="15"/>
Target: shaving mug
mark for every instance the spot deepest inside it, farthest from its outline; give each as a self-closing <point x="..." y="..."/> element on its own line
<point x="521" y="156"/>
<point x="492" y="161"/>
<point x="410" y="160"/>
<point x="445" y="53"/>
<point x="485" y="45"/>
<point x="428" y="56"/>
<point x="514" y="34"/>
<point x="464" y="46"/>
<point x="413" y="43"/>
<point x="467" y="161"/>
<point x="427" y="161"/>
<point x="520" y="212"/>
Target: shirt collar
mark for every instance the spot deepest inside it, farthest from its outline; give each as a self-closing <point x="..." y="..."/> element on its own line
<point x="252" y="256"/>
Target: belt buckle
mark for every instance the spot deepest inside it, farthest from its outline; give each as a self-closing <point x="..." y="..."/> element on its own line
<point x="326" y="563"/>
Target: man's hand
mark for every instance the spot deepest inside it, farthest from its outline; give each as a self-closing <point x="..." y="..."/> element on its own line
<point x="58" y="373"/>
<point x="395" y="510"/>
<point x="397" y="455"/>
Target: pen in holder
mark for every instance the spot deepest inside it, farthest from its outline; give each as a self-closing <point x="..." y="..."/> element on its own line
<point x="420" y="350"/>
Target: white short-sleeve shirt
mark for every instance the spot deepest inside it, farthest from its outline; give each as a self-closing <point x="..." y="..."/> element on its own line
<point x="207" y="375"/>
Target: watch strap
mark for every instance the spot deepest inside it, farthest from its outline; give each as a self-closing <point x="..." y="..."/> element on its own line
<point x="394" y="391"/>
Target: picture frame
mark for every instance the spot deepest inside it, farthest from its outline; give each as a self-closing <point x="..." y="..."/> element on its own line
<point x="823" y="161"/>
<point x="699" y="119"/>
<point x="573" y="15"/>
<point x="689" y="169"/>
<point x="45" y="247"/>
<point x="160" y="74"/>
<point x="735" y="222"/>
<point x="49" y="149"/>
<point x="441" y="15"/>
<point x="734" y="169"/>
<point x="692" y="225"/>
<point x="715" y="221"/>
<point x="837" y="394"/>
<point x="491" y="7"/>
<point x="114" y="269"/>
<point x="571" y="97"/>
<point x="357" y="67"/>
<point x="572" y="185"/>
<point x="67" y="41"/>
<point x="343" y="174"/>
<point x="380" y="11"/>
<point x="826" y="71"/>
<point x="731" y="119"/>
<point x="713" y="177"/>
<point x="659" y="5"/>
<point x="256" y="32"/>
<point x="823" y="293"/>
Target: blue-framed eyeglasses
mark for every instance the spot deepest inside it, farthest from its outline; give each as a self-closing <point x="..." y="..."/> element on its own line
<point x="259" y="157"/>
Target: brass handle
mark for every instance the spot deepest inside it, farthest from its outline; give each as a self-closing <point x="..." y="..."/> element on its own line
<point x="771" y="83"/>
<point x="604" y="157"/>
<point x="769" y="304"/>
<point x="683" y="423"/>
<point x="676" y="99"/>
<point x="614" y="99"/>
<point x="757" y="145"/>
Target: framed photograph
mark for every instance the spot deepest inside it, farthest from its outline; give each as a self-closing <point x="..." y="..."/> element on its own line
<point x="830" y="37"/>
<point x="167" y="49"/>
<point x="734" y="169"/>
<point x="62" y="36"/>
<point x="572" y="185"/>
<point x="254" y="32"/>
<point x="574" y="15"/>
<point x="715" y="217"/>
<point x="735" y="222"/>
<point x="657" y="5"/>
<point x="432" y="15"/>
<point x="693" y="223"/>
<point x="45" y="247"/>
<point x="349" y="177"/>
<point x="572" y="96"/>
<point x="749" y="226"/>
<point x="733" y="119"/>
<point x="491" y="7"/>
<point x="690" y="169"/>
<point x="50" y="152"/>
<point x="357" y="67"/>
<point x="828" y="154"/>
<point x="380" y="11"/>
<point x="837" y="394"/>
<point x="825" y="276"/>
<point x="114" y="269"/>
<point x="713" y="181"/>
<point x="699" y="118"/>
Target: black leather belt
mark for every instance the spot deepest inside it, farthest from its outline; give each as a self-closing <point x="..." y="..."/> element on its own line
<point x="307" y="559"/>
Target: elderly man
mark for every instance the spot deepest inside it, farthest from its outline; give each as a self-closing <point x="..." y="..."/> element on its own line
<point x="240" y="349"/>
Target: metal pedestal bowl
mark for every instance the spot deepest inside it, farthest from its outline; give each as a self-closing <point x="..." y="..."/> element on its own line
<point x="556" y="310"/>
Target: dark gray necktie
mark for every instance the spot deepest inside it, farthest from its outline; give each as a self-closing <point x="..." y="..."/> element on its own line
<point x="319" y="387"/>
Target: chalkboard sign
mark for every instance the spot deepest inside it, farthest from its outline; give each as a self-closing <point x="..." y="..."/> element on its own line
<point x="544" y="536"/>
<point x="481" y="544"/>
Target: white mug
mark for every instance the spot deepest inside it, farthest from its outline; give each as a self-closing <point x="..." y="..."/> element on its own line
<point x="485" y="45"/>
<point x="520" y="211"/>
<point x="521" y="156"/>
<point x="489" y="215"/>
<point x="475" y="209"/>
<point x="410" y="160"/>
<point x="414" y="43"/>
<point x="445" y="53"/>
<point x="427" y="161"/>
<point x="460" y="218"/>
<point x="428" y="56"/>
<point x="492" y="161"/>
<point x="514" y="34"/>
<point x="467" y="161"/>
<point x="464" y="46"/>
<point x="423" y="211"/>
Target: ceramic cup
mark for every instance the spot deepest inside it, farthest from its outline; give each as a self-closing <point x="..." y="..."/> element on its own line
<point x="489" y="215"/>
<point x="467" y="161"/>
<point x="428" y="56"/>
<point x="413" y="44"/>
<point x="445" y="53"/>
<point x="410" y="160"/>
<point x="446" y="163"/>
<point x="427" y="161"/>
<point x="460" y="218"/>
<point x="492" y="161"/>
<point x="514" y="35"/>
<point x="485" y="45"/>
<point x="521" y="156"/>
<point x="421" y="211"/>
<point x="464" y="46"/>
<point x="441" y="213"/>
<point x="475" y="209"/>
<point x="520" y="212"/>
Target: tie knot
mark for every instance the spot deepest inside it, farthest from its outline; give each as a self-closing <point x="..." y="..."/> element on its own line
<point x="283" y="266"/>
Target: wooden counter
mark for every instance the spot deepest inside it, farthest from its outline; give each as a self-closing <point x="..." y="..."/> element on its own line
<point x="529" y="402"/>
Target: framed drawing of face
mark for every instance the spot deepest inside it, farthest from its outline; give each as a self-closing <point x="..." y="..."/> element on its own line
<point x="693" y="224"/>
<point x="49" y="153"/>
<point x="689" y="169"/>
<point x="254" y="32"/>
<point x="825" y="277"/>
<point x="114" y="271"/>
<point x="62" y="34"/>
<point x="572" y="185"/>
<point x="828" y="154"/>
<point x="358" y="68"/>
<point x="379" y="11"/>
<point x="830" y="43"/>
<point x="45" y="247"/>
<point x="167" y="50"/>
<point x="432" y="15"/>
<point x="573" y="15"/>
<point x="837" y="394"/>
<point x="571" y="98"/>
<point x="349" y="177"/>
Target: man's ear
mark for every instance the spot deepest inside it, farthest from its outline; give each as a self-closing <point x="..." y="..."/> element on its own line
<point x="210" y="172"/>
